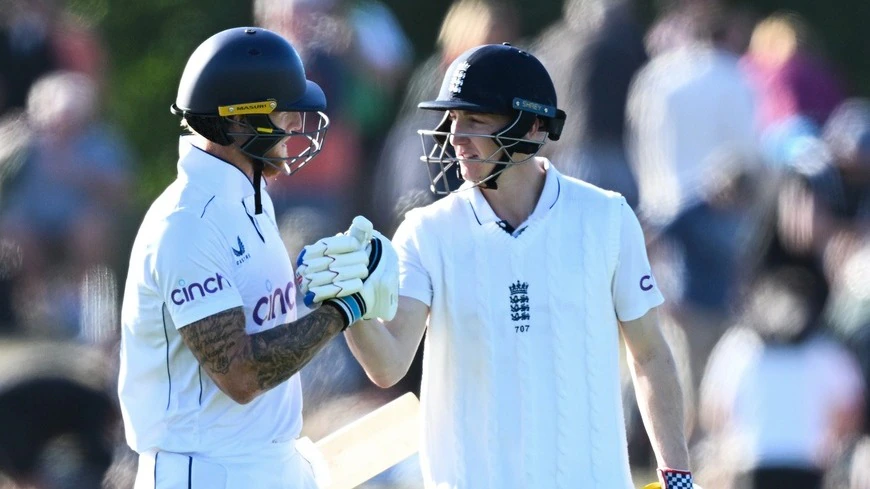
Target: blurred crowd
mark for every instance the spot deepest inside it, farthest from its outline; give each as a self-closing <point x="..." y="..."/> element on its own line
<point x="741" y="147"/>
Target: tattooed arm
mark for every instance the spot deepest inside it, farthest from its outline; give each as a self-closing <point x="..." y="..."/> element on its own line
<point x="244" y="366"/>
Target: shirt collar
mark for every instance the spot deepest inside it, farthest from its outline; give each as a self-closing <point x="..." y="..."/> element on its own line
<point x="548" y="198"/>
<point x="212" y="173"/>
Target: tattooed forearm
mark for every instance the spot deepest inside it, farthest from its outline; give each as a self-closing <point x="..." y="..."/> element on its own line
<point x="218" y="341"/>
<point x="244" y="366"/>
<point x="282" y="351"/>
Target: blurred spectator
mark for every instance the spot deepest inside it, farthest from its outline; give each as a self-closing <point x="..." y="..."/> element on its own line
<point x="690" y="110"/>
<point x="26" y="49"/>
<point x="710" y="249"/>
<point x="381" y="59"/>
<point x="824" y="204"/>
<point x="789" y="75"/>
<point x="693" y="148"/>
<point x="401" y="181"/>
<point x="358" y="53"/>
<point x="859" y="475"/>
<point x="782" y="394"/>
<point x="37" y="37"/>
<point x="56" y="434"/>
<point x="356" y="47"/>
<point x="849" y="310"/>
<point x="64" y="207"/>
<point x="594" y="53"/>
<point x="322" y="36"/>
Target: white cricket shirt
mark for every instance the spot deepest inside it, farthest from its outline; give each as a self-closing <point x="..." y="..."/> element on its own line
<point x="201" y="250"/>
<point x="521" y="362"/>
<point x="691" y="115"/>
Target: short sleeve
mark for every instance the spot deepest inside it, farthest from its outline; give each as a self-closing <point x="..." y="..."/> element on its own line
<point x="192" y="270"/>
<point x="634" y="287"/>
<point x="414" y="280"/>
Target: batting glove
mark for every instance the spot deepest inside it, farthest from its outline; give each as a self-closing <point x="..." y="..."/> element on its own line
<point x="358" y="294"/>
<point x="331" y="267"/>
<point x="673" y="479"/>
<point x="379" y="297"/>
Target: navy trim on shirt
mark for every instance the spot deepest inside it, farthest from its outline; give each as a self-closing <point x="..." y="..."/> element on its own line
<point x="168" y="375"/>
<point x="206" y="206"/>
<point x="251" y="218"/>
<point x="558" y="192"/>
<point x="475" y="213"/>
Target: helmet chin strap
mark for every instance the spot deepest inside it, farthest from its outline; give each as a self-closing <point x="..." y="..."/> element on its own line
<point x="258" y="177"/>
<point x="516" y="129"/>
<point x="490" y="182"/>
<point x="258" y="147"/>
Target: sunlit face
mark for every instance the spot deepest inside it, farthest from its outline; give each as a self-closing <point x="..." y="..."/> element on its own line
<point x="462" y="125"/>
<point x="289" y="122"/>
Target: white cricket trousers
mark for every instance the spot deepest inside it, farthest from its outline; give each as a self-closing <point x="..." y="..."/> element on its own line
<point x="280" y="466"/>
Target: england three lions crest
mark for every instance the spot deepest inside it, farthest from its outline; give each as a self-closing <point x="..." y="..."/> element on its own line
<point x="519" y="304"/>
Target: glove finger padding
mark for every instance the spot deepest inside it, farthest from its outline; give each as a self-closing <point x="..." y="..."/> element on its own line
<point x="333" y="245"/>
<point x="316" y="279"/>
<point x="332" y="290"/>
<point x="379" y="297"/>
<point x="314" y="269"/>
<point x="336" y="262"/>
<point x="335" y="266"/>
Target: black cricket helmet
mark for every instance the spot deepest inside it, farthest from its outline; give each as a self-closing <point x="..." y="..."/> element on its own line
<point x="493" y="79"/>
<point x="251" y="72"/>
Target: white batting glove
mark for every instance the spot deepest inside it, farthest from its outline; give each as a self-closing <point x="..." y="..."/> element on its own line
<point x="332" y="267"/>
<point x="379" y="296"/>
<point x="324" y="273"/>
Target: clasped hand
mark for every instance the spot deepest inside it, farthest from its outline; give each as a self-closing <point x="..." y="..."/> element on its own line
<point x="358" y="270"/>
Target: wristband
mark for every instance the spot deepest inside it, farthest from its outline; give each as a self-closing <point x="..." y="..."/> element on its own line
<point x="674" y="479"/>
<point x="345" y="321"/>
<point x="351" y="307"/>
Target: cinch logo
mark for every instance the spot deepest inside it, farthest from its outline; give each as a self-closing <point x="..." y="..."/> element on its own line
<point x="279" y="301"/>
<point x="190" y="292"/>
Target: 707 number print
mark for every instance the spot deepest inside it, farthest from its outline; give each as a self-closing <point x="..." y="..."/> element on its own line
<point x="522" y="328"/>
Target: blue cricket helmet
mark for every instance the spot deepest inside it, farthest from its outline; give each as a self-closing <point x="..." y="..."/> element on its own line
<point x="234" y="80"/>
<point x="494" y="79"/>
<point x="500" y="79"/>
<point x="244" y="65"/>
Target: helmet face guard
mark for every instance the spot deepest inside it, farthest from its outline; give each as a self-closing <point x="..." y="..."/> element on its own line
<point x="262" y="135"/>
<point x="441" y="158"/>
<point x="492" y="79"/>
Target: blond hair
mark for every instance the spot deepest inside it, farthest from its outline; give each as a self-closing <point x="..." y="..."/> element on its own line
<point x="778" y="37"/>
<point x="470" y="23"/>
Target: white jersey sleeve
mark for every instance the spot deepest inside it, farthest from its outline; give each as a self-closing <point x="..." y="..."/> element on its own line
<point x="414" y="280"/>
<point x="634" y="288"/>
<point x="191" y="269"/>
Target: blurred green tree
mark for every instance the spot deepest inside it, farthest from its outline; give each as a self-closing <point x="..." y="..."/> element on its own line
<point x="148" y="44"/>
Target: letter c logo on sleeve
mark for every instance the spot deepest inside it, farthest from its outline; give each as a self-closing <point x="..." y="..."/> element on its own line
<point x="646" y="283"/>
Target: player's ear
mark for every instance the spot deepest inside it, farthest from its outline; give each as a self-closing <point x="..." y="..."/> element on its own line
<point x="534" y="131"/>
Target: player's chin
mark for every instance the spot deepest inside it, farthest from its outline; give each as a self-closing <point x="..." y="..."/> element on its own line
<point x="271" y="171"/>
<point x="475" y="172"/>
